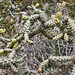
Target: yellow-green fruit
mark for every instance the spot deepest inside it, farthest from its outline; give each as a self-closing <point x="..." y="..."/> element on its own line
<point x="5" y="53"/>
<point x="59" y="15"/>
<point x="56" y="21"/>
<point x="2" y="31"/>
<point x="1" y="51"/>
<point x="13" y="40"/>
<point x="15" y="45"/>
<point x="39" y="69"/>
<point x="24" y="17"/>
<point x="23" y="42"/>
<point x="52" y="16"/>
<point x="65" y="37"/>
<point x="59" y="36"/>
<point x="37" y="5"/>
<point x="64" y="4"/>
<point x="30" y="42"/>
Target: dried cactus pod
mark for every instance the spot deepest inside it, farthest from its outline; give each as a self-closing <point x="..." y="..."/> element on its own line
<point x="64" y="4"/>
<point x="14" y="69"/>
<point x="59" y="15"/>
<point x="39" y="69"/>
<point x="23" y="42"/>
<point x="66" y="37"/>
<point x="59" y="36"/>
<point x="56" y="21"/>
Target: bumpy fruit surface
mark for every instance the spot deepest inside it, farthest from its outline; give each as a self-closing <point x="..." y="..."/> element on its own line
<point x="56" y="21"/>
<point x="52" y="16"/>
<point x="64" y="4"/>
<point x="15" y="45"/>
<point x="1" y="51"/>
<point x="39" y="69"/>
<point x="23" y="42"/>
<point x="30" y="42"/>
<point x="59" y="15"/>
<point x="13" y="40"/>
<point x="37" y="5"/>
<point x="24" y="17"/>
<point x="59" y="36"/>
<point x="2" y="31"/>
<point x="65" y="37"/>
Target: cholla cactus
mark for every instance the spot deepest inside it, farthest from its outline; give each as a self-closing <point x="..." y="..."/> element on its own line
<point x="8" y="62"/>
<point x="47" y="28"/>
<point x="73" y="71"/>
<point x="58" y="37"/>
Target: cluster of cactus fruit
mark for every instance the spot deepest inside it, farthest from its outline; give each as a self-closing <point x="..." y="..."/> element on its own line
<point x="57" y="27"/>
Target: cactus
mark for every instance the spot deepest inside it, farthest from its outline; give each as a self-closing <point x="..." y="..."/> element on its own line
<point x="48" y="28"/>
<point x="55" y="59"/>
<point x="4" y="40"/>
<point x="16" y="44"/>
<point x="1" y="51"/>
<point x="59" y="15"/>
<point x="65" y="37"/>
<point x="64" y="4"/>
<point x="59" y="36"/>
<point x="10" y="44"/>
<point x="73" y="71"/>
<point x="2" y="31"/>
<point x="8" y="61"/>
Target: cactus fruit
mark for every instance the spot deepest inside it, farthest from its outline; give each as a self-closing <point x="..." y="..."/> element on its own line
<point x="56" y="21"/>
<point x="1" y="51"/>
<point x="64" y="4"/>
<point x="16" y="44"/>
<point x="37" y="5"/>
<point x="14" y="69"/>
<point x="52" y="16"/>
<point x="30" y="42"/>
<point x="13" y="40"/>
<point x="59" y="15"/>
<point x="58" y="37"/>
<point x="39" y="69"/>
<point x="23" y="42"/>
<point x="24" y="17"/>
<point x="65" y="37"/>
<point x="2" y="31"/>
